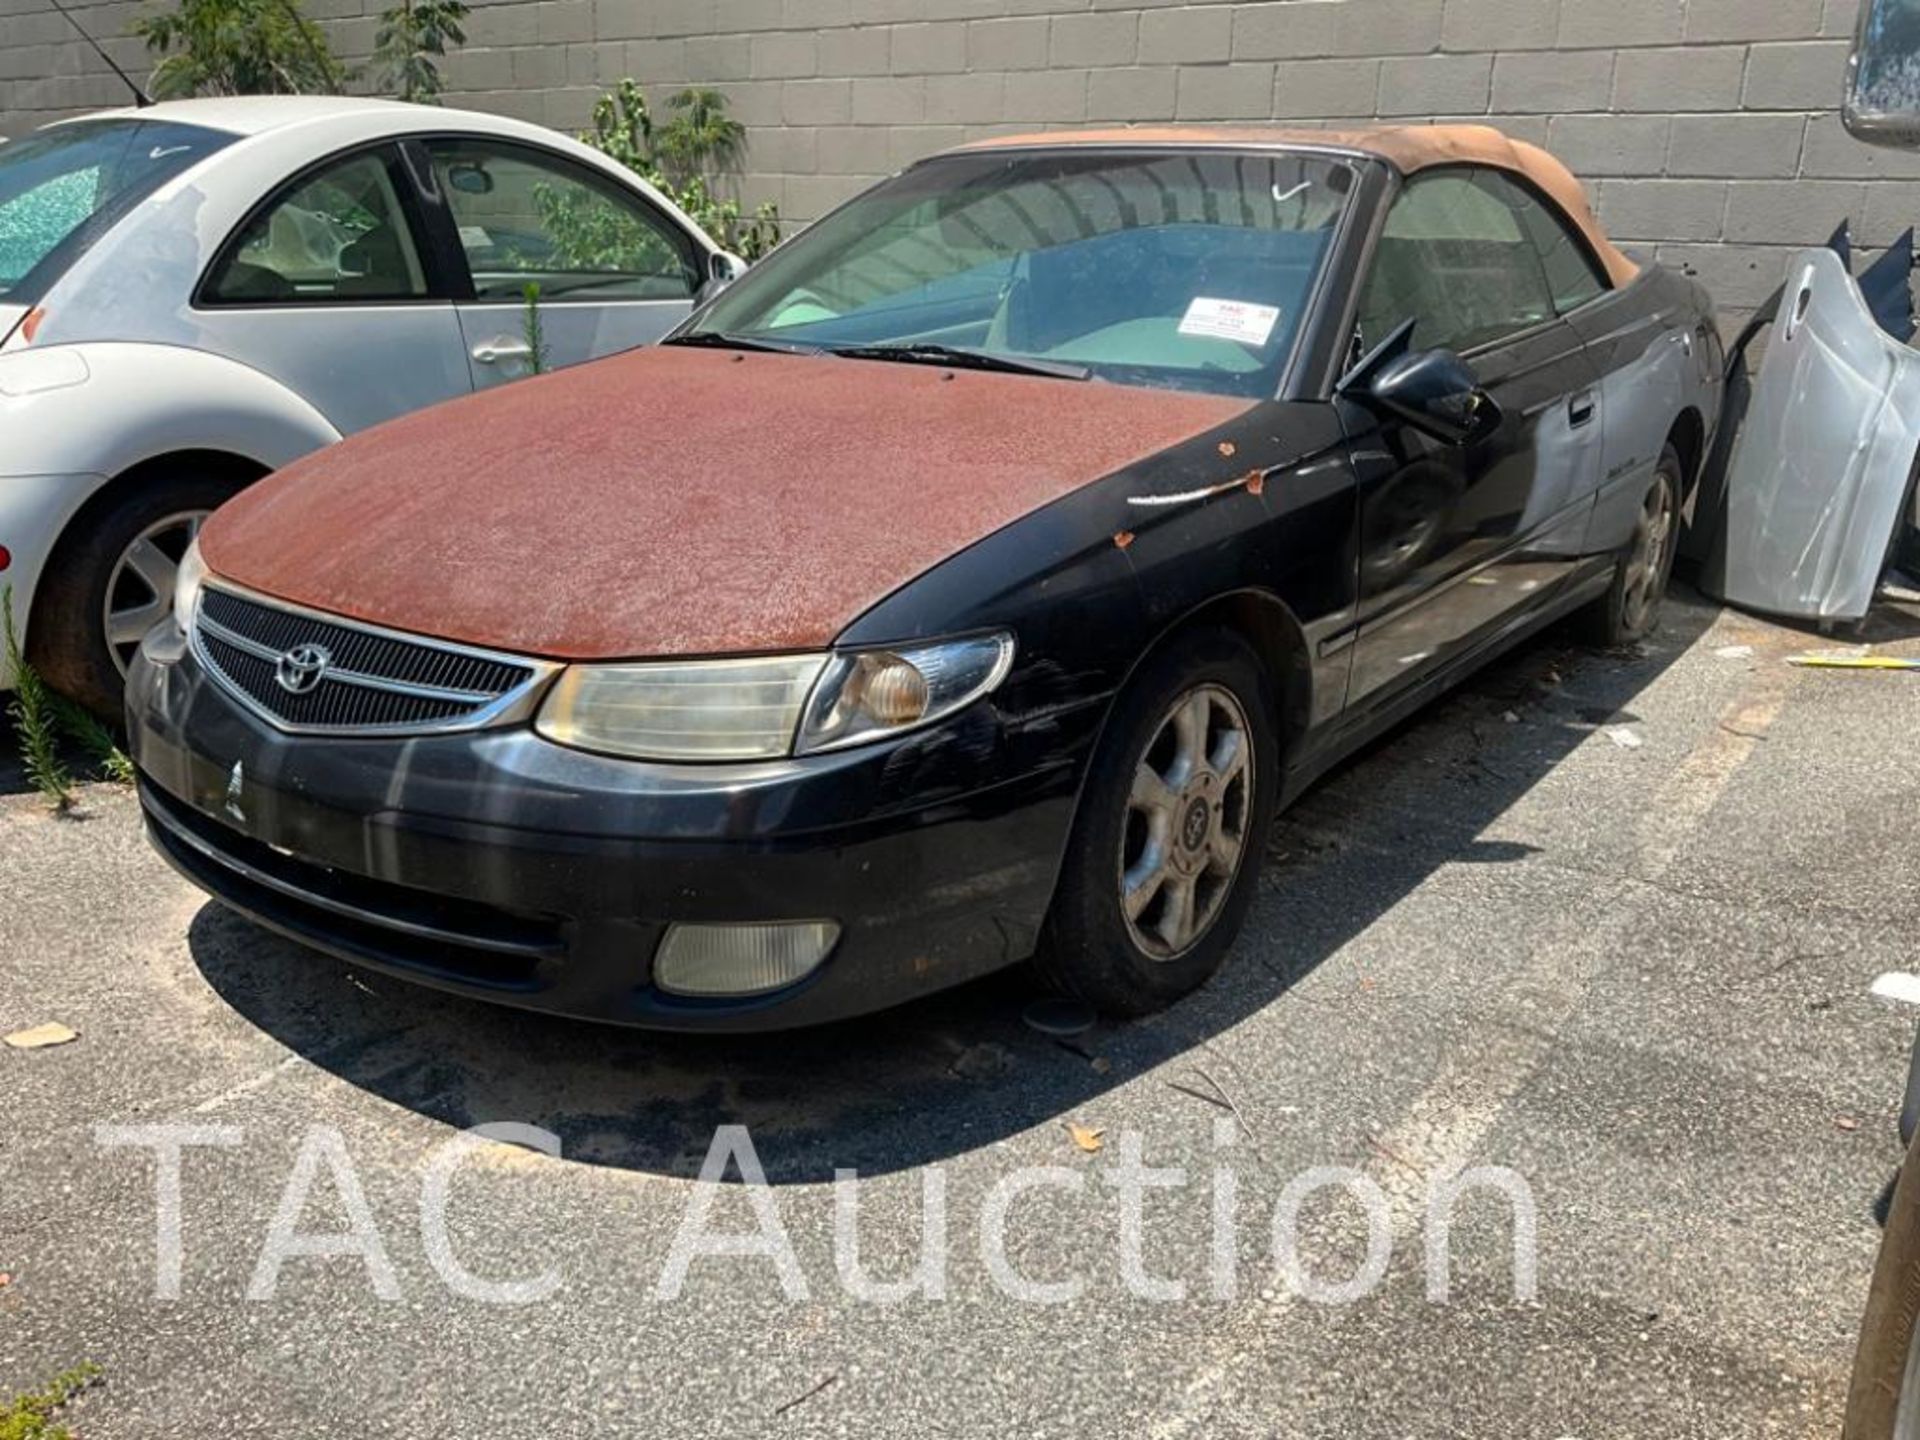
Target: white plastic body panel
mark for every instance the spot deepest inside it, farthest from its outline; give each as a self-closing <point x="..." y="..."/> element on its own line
<point x="1824" y="459"/>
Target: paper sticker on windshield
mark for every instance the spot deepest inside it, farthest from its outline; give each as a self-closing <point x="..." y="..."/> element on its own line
<point x="475" y="237"/>
<point x="1230" y="320"/>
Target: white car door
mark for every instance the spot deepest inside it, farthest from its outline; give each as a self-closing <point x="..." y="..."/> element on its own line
<point x="328" y="288"/>
<point x="609" y="270"/>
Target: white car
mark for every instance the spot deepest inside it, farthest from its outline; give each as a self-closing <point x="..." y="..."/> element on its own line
<point x="193" y="294"/>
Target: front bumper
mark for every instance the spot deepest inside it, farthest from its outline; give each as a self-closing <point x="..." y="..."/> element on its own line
<point x="498" y="865"/>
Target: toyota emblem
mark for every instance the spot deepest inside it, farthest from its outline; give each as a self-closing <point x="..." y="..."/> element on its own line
<point x="302" y="668"/>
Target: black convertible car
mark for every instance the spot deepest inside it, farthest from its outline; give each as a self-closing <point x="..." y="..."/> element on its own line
<point x="968" y="583"/>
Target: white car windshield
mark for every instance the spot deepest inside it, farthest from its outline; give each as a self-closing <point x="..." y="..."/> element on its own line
<point x="1187" y="269"/>
<point x="62" y="187"/>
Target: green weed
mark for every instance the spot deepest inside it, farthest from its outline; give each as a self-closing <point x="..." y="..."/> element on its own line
<point x="32" y="1416"/>
<point x="36" y="717"/>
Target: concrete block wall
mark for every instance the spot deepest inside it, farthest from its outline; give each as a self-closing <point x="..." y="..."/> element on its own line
<point x="1707" y="128"/>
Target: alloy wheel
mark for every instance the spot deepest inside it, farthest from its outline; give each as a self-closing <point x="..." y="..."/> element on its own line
<point x="1188" y="814"/>
<point x="1647" y="567"/>
<point x="140" y="588"/>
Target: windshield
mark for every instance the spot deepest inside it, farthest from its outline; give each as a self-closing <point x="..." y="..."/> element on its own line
<point x="53" y="183"/>
<point x="1188" y="270"/>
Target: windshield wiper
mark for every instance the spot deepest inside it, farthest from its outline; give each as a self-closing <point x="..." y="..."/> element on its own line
<point x="921" y="353"/>
<point x="728" y="340"/>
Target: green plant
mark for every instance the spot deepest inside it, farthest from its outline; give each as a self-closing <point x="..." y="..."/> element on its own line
<point x="410" y="36"/>
<point x="749" y="236"/>
<point x="591" y="233"/>
<point x="684" y="158"/>
<point x="533" y="331"/>
<point x="701" y="136"/>
<point x="40" y="717"/>
<point x="36" y="718"/>
<point x="102" y="748"/>
<point x="31" y="1416"/>
<point x="623" y="129"/>
<point x="238" y="47"/>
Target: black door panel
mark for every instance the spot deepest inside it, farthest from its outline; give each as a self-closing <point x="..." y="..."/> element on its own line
<point x="1457" y="542"/>
<point x="1651" y="348"/>
<point x="1454" y="539"/>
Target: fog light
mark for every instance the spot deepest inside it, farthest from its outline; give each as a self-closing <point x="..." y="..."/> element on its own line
<point x="741" y="959"/>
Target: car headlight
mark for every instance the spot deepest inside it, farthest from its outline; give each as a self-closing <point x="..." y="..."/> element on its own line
<point x="187" y="581"/>
<point x="687" y="710"/>
<point x="768" y="707"/>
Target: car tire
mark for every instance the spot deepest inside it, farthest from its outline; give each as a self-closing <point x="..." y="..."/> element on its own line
<point x="1200" y="717"/>
<point x="1630" y="609"/>
<point x="1883" y="1399"/>
<point x="118" y="553"/>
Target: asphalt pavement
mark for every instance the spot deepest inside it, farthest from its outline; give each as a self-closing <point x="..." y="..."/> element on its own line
<point x="1599" y="928"/>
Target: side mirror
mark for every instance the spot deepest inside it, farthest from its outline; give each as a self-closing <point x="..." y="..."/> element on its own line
<point x="1881" y="105"/>
<point x="470" y="179"/>
<point x="1435" y="392"/>
<point x="723" y="269"/>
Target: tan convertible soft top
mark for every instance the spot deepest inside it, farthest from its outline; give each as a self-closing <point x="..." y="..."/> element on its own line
<point x="1408" y="148"/>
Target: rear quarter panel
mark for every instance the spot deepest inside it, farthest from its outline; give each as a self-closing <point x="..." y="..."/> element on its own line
<point x="135" y="402"/>
<point x="73" y="417"/>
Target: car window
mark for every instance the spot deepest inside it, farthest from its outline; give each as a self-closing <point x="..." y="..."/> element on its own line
<point x="1456" y="258"/>
<point x="1572" y="275"/>
<point x="60" y="184"/>
<point x="527" y="218"/>
<point x="38" y="218"/>
<point x="1189" y="270"/>
<point x="336" y="236"/>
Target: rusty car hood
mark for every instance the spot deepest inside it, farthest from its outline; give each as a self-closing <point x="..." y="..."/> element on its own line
<point x="673" y="501"/>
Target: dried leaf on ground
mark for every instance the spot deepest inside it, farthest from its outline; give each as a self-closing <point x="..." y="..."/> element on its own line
<point x="40" y="1037"/>
<point x="1090" y="1141"/>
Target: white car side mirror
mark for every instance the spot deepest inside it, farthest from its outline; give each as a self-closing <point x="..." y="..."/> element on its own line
<point x="722" y="270"/>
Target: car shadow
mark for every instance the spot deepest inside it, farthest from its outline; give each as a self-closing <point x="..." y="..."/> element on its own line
<point x="13" y="771"/>
<point x="960" y="1070"/>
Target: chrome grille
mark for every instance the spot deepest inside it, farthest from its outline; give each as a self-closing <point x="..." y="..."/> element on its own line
<point x="374" y="680"/>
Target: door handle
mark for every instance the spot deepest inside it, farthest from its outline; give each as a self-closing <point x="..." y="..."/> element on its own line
<point x="487" y="352"/>
<point x="1580" y="410"/>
